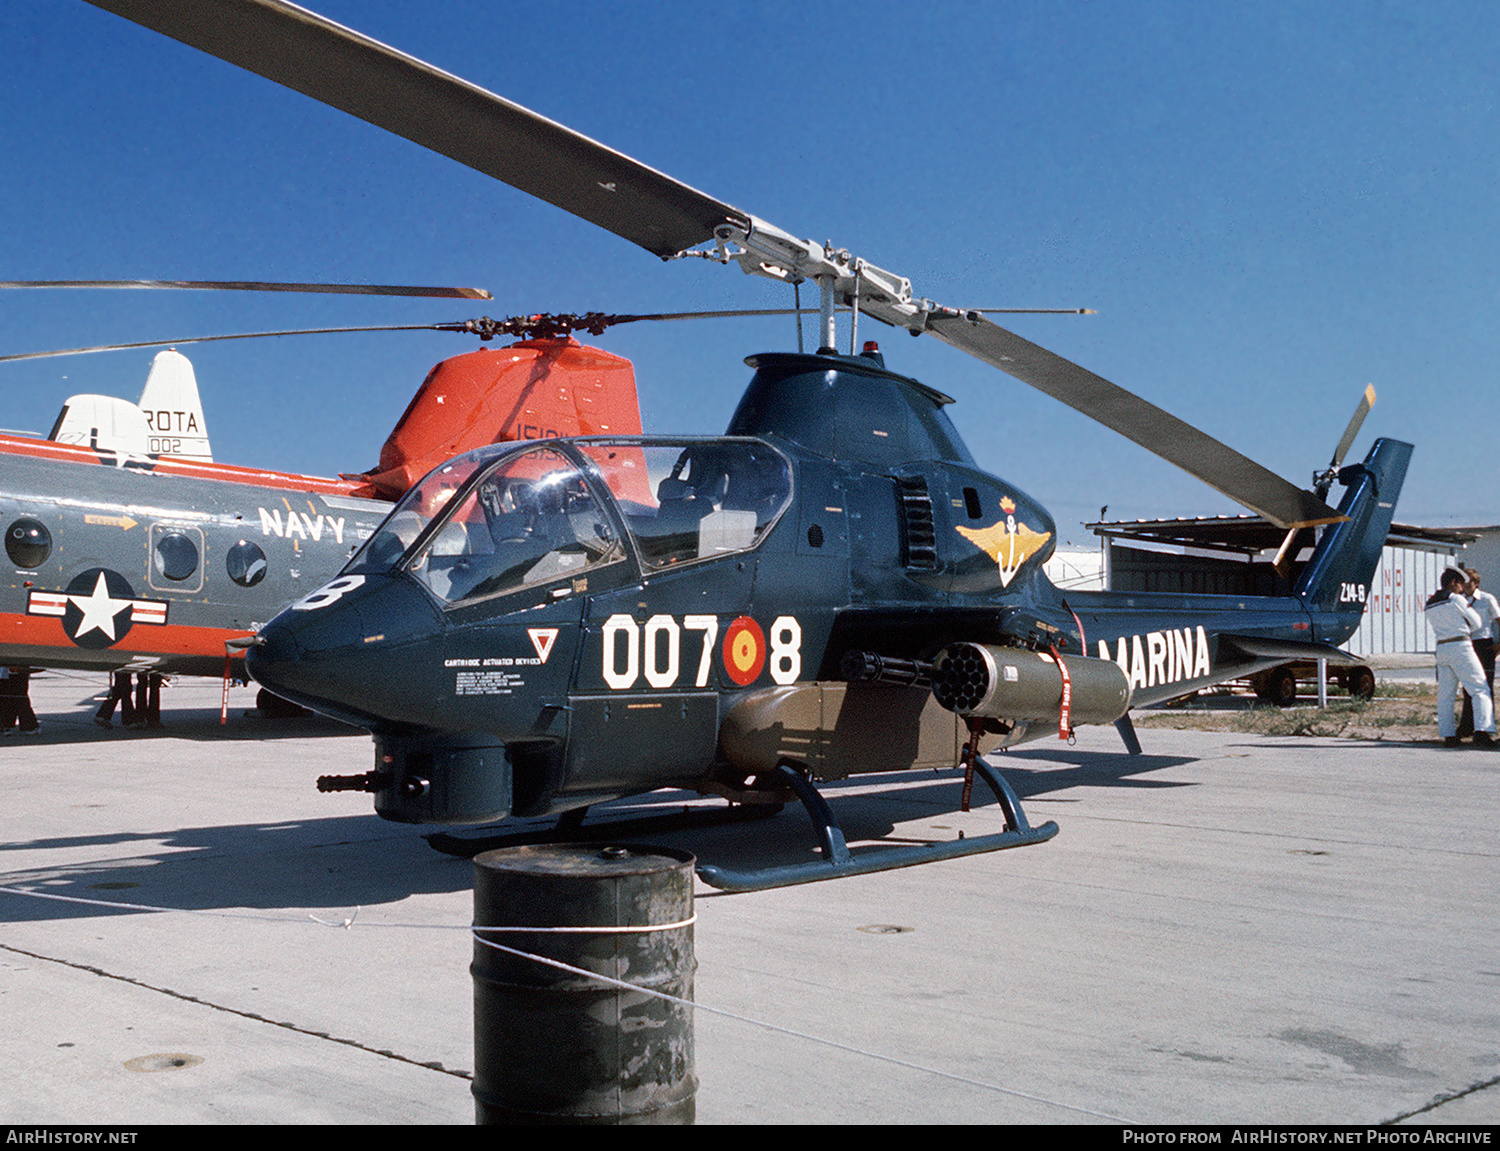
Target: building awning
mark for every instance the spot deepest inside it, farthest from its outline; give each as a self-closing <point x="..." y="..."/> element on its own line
<point x="1240" y="536"/>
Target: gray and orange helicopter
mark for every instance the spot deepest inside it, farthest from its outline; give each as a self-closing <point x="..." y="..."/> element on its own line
<point x="831" y="588"/>
<point x="132" y="549"/>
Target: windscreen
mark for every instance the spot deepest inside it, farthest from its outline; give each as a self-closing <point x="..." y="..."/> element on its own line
<point x="693" y="500"/>
<point x="530" y="519"/>
<point x="411" y="515"/>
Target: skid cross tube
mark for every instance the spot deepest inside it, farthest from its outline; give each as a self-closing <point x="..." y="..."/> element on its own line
<point x="570" y="828"/>
<point x="838" y="861"/>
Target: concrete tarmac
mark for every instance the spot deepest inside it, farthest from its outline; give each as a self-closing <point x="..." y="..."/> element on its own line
<point x="1229" y="929"/>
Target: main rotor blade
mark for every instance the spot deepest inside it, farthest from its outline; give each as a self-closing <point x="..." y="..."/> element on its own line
<point x="400" y="93"/>
<point x="448" y="115"/>
<point x="841" y="308"/>
<point x="264" y="286"/>
<point x="1196" y="452"/>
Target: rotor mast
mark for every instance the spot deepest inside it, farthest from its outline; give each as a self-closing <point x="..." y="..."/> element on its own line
<point x="762" y="249"/>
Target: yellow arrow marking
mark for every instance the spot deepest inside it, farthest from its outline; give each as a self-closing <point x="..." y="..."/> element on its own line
<point x="112" y="521"/>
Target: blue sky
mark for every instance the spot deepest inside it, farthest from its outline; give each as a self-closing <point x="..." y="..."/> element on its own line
<point x="1269" y="205"/>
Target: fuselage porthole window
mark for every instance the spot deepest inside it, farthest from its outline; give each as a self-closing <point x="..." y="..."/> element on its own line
<point x="28" y="543"/>
<point x="246" y="563"/>
<point x="176" y="556"/>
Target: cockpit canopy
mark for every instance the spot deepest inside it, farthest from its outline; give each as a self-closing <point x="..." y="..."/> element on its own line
<point x="499" y="520"/>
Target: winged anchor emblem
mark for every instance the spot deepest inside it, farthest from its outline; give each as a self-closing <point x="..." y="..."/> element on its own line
<point x="1008" y="543"/>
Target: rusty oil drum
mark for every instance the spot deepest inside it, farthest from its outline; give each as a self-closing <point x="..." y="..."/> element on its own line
<point x="553" y="1046"/>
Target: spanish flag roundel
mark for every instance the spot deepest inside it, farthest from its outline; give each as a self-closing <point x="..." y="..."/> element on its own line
<point x="744" y="650"/>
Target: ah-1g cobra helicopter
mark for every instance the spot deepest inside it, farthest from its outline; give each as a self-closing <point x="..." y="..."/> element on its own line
<point x="833" y="587"/>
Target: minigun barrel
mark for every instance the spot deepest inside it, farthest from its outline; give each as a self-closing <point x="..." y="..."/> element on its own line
<point x="869" y="667"/>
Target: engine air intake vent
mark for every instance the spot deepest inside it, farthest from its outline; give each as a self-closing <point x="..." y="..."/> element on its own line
<point x="919" y="541"/>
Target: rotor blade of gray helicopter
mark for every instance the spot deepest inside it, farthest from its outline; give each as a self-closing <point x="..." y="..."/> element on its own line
<point x="1196" y="452"/>
<point x="430" y="107"/>
<point x="215" y="339"/>
<point x="264" y="286"/>
<point x="473" y="327"/>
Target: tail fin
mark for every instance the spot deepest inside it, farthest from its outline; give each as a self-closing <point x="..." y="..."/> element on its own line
<point x="1336" y="581"/>
<point x="103" y="423"/>
<point x="173" y="410"/>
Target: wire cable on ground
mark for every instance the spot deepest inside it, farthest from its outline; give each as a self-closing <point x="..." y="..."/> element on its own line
<point x="478" y="935"/>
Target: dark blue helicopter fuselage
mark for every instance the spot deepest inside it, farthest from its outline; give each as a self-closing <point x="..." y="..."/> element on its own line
<point x="563" y="623"/>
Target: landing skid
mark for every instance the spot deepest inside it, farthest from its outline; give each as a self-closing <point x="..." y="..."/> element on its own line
<point x="570" y="828"/>
<point x="837" y="860"/>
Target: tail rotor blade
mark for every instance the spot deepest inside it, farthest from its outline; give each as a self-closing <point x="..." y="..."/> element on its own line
<point x="1367" y="401"/>
<point x="1283" y="561"/>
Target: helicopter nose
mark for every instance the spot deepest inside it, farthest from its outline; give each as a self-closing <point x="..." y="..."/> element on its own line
<point x="336" y="651"/>
<point x="312" y="662"/>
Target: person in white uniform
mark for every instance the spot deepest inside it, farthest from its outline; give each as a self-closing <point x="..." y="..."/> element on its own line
<point x="1487" y="608"/>
<point x="1453" y="622"/>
